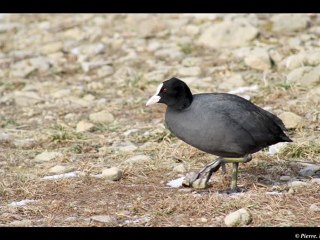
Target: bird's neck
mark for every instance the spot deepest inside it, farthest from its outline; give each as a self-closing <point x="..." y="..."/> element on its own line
<point x="183" y="103"/>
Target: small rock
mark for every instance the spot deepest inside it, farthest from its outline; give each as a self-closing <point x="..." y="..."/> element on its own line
<point x="95" y="86"/>
<point x="297" y="184"/>
<point x="244" y="89"/>
<point x="61" y="93"/>
<point x="156" y="76"/>
<point x="22" y="202"/>
<point x="113" y="173"/>
<point x="258" y="59"/>
<point x="218" y="219"/>
<point x="24" y="143"/>
<point x="176" y="182"/>
<point x="71" y="219"/>
<point x="58" y="169"/>
<point x="73" y="33"/>
<point x="291" y="191"/>
<point x="104" y="219"/>
<point x="137" y="159"/>
<point x="101" y="117"/>
<point x="47" y="156"/>
<point x="64" y="175"/>
<point x="314" y="208"/>
<point x="6" y="27"/>
<point x="137" y="220"/>
<point x="51" y="47"/>
<point x="275" y="56"/>
<point x="89" y="50"/>
<point x="153" y="46"/>
<point x="24" y="67"/>
<point x="145" y="26"/>
<point x="192" y="30"/>
<point x="180" y="168"/>
<point x="5" y="137"/>
<point x="301" y="59"/>
<point x="296" y="74"/>
<point x="276" y="148"/>
<point x="312" y="57"/>
<point x="204" y="220"/>
<point x="130" y="132"/>
<point x="294" y="42"/>
<point x="315" y="30"/>
<point x="105" y="71"/>
<point x="240" y="217"/>
<point x="83" y="126"/>
<point x="228" y="34"/>
<point x="311" y="78"/>
<point x="80" y="101"/>
<point x="274" y="193"/>
<point x="189" y="71"/>
<point x="310" y="171"/>
<point x="26" y="98"/>
<point x="190" y="61"/>
<point x="315" y="180"/>
<point x="104" y="150"/>
<point x="172" y="53"/>
<point x="125" y="147"/>
<point x="89" y="97"/>
<point x="289" y="22"/>
<point x="285" y="224"/>
<point x="232" y="82"/>
<point x="185" y="190"/>
<point x="306" y="76"/>
<point x="21" y="223"/>
<point x="291" y="120"/>
<point x="87" y="66"/>
<point x="148" y="146"/>
<point x="285" y="178"/>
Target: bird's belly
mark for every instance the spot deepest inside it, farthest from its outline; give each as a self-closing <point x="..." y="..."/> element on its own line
<point x="207" y="139"/>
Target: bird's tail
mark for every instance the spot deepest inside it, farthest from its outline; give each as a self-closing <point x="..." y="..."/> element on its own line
<point x="284" y="138"/>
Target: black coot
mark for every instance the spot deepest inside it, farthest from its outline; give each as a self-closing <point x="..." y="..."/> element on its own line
<point x="222" y="124"/>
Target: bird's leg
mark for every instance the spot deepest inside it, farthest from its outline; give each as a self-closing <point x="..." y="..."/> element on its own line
<point x="223" y="168"/>
<point x="235" y="166"/>
<point x="234" y="177"/>
<point x="201" y="179"/>
<point x="224" y="172"/>
<point x="245" y="159"/>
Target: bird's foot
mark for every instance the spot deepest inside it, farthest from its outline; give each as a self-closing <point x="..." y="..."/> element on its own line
<point x="234" y="190"/>
<point x="195" y="181"/>
<point x="231" y="191"/>
<point x="200" y="180"/>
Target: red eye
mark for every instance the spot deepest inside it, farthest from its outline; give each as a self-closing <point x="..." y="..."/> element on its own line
<point x="164" y="90"/>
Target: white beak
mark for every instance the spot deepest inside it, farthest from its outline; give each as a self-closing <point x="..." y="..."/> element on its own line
<point x="155" y="98"/>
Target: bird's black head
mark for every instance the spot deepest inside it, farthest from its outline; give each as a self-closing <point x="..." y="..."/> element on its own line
<point x="174" y="93"/>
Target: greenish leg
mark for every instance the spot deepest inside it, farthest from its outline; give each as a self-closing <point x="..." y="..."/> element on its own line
<point x="235" y="166"/>
<point x="245" y="159"/>
<point x="223" y="168"/>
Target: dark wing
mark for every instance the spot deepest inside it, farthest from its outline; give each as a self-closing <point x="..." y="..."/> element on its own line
<point x="264" y="127"/>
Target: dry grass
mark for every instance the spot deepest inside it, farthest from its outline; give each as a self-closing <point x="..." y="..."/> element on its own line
<point x="142" y="190"/>
<point x="141" y="195"/>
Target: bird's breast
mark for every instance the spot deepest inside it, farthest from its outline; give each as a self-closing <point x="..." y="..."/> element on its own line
<point x="193" y="128"/>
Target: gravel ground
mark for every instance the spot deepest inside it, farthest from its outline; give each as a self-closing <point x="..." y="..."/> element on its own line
<point x="79" y="147"/>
